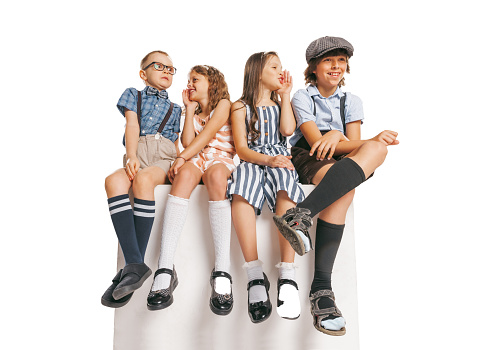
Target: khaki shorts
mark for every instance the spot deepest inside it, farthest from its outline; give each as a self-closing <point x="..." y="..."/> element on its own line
<point x="155" y="152"/>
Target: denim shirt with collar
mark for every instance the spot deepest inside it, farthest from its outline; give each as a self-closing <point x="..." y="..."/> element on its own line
<point x="154" y="109"/>
<point x="328" y="115"/>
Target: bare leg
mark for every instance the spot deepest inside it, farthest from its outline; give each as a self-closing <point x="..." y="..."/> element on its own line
<point x="283" y="203"/>
<point x="146" y="180"/>
<point x="244" y="219"/>
<point x="117" y="183"/>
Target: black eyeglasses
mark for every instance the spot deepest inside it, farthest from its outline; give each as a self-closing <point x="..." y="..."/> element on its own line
<point x="159" y="66"/>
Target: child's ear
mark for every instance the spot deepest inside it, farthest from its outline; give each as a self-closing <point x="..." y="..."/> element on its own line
<point x="143" y="75"/>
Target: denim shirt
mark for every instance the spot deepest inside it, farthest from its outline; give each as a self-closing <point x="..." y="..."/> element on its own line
<point x="328" y="114"/>
<point x="154" y="110"/>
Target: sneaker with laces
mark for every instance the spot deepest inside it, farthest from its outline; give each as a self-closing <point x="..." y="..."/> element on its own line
<point x="294" y="226"/>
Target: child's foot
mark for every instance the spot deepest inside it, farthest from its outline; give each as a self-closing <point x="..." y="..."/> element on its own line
<point x="294" y="226"/>
<point x="327" y="317"/>
<point x="259" y="307"/>
<point x="161" y="298"/>
<point x="288" y="305"/>
<point x="221" y="300"/>
<point x="107" y="298"/>
<point x="132" y="278"/>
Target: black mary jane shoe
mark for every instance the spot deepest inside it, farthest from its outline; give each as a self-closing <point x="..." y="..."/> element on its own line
<point x="260" y="311"/>
<point x="108" y="300"/>
<point x="160" y="299"/>
<point x="220" y="304"/>
<point x="132" y="278"/>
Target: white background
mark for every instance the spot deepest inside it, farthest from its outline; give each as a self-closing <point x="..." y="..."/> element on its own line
<point x="421" y="223"/>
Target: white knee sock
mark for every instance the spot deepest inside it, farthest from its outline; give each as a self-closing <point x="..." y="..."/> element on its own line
<point x="255" y="271"/>
<point x="221" y="227"/>
<point x="174" y="218"/>
<point x="288" y="294"/>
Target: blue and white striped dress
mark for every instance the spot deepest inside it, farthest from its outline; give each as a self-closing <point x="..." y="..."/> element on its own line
<point x="257" y="183"/>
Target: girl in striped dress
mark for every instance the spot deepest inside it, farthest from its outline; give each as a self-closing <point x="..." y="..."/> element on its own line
<point x="208" y="156"/>
<point x="260" y="125"/>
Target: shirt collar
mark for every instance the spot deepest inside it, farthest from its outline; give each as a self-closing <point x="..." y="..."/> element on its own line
<point x="313" y="91"/>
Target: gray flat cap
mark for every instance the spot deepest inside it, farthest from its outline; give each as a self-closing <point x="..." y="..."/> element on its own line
<point x="328" y="43"/>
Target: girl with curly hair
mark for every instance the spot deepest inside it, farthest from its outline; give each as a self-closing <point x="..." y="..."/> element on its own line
<point x="208" y="156"/>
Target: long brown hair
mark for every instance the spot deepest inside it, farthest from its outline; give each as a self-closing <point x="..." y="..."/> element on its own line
<point x="311" y="78"/>
<point x="250" y="92"/>
<point x="217" y="89"/>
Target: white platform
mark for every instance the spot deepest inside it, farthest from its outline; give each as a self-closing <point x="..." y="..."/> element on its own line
<point x="189" y="323"/>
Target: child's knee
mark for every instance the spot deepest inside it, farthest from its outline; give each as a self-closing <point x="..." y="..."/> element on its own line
<point x="376" y="148"/>
<point x="143" y="180"/>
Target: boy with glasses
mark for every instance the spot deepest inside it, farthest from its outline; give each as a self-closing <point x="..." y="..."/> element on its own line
<point x="151" y="141"/>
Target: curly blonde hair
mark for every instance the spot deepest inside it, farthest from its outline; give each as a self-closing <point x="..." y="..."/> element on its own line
<point x="218" y="88"/>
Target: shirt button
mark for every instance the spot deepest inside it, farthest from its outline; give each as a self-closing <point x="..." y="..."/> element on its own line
<point x="264" y="108"/>
<point x="265" y="120"/>
<point x="156" y="105"/>
<point x="266" y="134"/>
<point x="150" y="118"/>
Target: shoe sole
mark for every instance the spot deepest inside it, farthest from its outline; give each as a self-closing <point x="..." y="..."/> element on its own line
<point x="290" y="235"/>
<point x="167" y="304"/>
<point x="124" y="291"/>
<point x="220" y="312"/>
<point x="342" y="331"/>
<point x="113" y="304"/>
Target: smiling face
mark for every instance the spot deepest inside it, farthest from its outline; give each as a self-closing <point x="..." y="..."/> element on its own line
<point x="329" y="73"/>
<point x="272" y="74"/>
<point x="198" y="87"/>
<point x="161" y="80"/>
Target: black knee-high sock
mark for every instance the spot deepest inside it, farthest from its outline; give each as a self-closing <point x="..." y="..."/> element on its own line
<point x="327" y="240"/>
<point x="122" y="218"/>
<point x="144" y="214"/>
<point x="341" y="178"/>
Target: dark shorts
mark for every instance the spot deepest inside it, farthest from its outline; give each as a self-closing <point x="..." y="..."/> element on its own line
<point x="307" y="166"/>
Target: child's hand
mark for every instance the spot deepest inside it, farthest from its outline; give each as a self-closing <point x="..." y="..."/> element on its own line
<point x="174" y="169"/>
<point x="281" y="161"/>
<point x="387" y="137"/>
<point x="286" y="84"/>
<point x="187" y="102"/>
<point x="327" y="143"/>
<point x="132" y="167"/>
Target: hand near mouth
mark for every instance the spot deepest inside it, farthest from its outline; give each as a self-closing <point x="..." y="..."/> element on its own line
<point x="286" y="83"/>
<point x="188" y="103"/>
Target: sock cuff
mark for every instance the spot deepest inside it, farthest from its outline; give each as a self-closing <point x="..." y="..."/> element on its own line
<point x="144" y="208"/>
<point x="329" y="225"/>
<point x="143" y="201"/>
<point x="254" y="263"/>
<point x="220" y="204"/>
<point x="177" y="200"/>
<point x="118" y="198"/>
<point x="354" y="165"/>
<point x="118" y="204"/>
<point x="285" y="265"/>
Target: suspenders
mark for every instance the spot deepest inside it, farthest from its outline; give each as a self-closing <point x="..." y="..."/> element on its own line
<point x="342" y="102"/>
<point x="139" y="112"/>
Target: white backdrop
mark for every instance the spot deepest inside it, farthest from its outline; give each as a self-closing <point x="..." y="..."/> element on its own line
<point x="422" y="229"/>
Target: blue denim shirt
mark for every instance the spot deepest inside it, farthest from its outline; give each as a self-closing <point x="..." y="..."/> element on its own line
<point x="328" y="113"/>
<point x="154" y="110"/>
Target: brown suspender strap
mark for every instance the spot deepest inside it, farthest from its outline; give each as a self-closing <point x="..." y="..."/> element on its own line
<point x="167" y="116"/>
<point x="139" y="108"/>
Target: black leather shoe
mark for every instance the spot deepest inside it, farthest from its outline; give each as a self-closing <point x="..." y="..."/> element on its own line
<point x="108" y="300"/>
<point x="132" y="278"/>
<point x="260" y="311"/>
<point x="220" y="304"/>
<point x="160" y="299"/>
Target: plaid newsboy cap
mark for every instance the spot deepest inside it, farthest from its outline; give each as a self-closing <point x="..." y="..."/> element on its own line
<point x="328" y="43"/>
